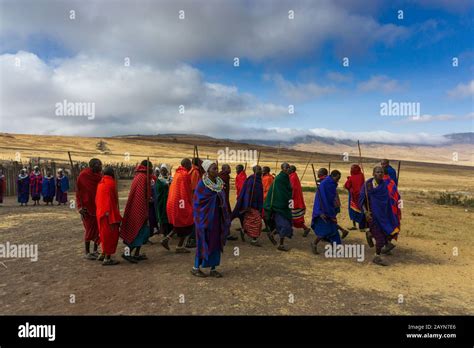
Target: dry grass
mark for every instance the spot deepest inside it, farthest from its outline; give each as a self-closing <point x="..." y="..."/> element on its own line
<point x="260" y="280"/>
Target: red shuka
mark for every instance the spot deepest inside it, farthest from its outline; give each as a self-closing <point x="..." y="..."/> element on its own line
<point x="136" y="210"/>
<point x="107" y="213"/>
<point x="298" y="199"/>
<point x="353" y="185"/>
<point x="239" y="181"/>
<point x="86" y="189"/>
<point x="179" y="206"/>
<point x="195" y="175"/>
<point x="267" y="181"/>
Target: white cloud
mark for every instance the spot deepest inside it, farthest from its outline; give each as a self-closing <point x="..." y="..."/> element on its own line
<point x="150" y="31"/>
<point x="339" y="77"/>
<point x="136" y="99"/>
<point x="429" y="118"/>
<point x="299" y="91"/>
<point x="462" y="90"/>
<point x="379" y="83"/>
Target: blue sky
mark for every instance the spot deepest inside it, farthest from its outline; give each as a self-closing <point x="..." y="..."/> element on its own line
<point x="190" y="62"/>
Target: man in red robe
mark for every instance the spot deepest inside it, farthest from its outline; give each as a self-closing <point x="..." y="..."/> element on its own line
<point x="135" y="229"/>
<point x="240" y="178"/>
<point x="195" y="173"/>
<point x="108" y="216"/>
<point x="179" y="206"/>
<point x="298" y="207"/>
<point x="353" y="185"/>
<point x="86" y="189"/>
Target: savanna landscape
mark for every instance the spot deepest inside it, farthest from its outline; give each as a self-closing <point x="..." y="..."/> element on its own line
<point x="429" y="273"/>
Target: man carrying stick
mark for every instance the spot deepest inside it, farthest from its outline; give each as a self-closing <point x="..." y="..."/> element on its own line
<point x="86" y="189"/>
<point x="383" y="221"/>
<point x="135" y="229"/>
<point x="277" y="208"/>
<point x="249" y="206"/>
<point x="324" y="221"/>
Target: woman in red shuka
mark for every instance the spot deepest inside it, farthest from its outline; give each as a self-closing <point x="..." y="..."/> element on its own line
<point x="108" y="216"/>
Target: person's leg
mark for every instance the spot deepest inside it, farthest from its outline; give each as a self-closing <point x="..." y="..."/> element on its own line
<point x="87" y="244"/>
<point x="196" y="270"/>
<point x="380" y="241"/>
<point x="180" y="248"/>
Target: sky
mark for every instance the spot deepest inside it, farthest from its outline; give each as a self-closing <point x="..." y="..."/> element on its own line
<point x="320" y="67"/>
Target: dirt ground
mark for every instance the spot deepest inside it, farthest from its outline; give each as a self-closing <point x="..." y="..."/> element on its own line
<point x="426" y="275"/>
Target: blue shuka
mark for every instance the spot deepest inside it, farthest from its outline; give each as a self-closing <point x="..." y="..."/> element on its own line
<point x="325" y="203"/>
<point x="380" y="206"/>
<point x="243" y="201"/>
<point x="48" y="189"/>
<point x="212" y="224"/>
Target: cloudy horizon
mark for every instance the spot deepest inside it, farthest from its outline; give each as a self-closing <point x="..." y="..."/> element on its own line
<point x="238" y="70"/>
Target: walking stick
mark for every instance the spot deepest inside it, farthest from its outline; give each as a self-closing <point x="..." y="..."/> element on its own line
<point x="307" y="164"/>
<point x="329" y="168"/>
<point x="398" y="171"/>
<point x="365" y="182"/>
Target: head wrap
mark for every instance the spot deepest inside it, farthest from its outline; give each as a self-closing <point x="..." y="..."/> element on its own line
<point x="206" y="164"/>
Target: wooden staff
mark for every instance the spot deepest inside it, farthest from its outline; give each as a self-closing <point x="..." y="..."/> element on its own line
<point x="245" y="167"/>
<point x="307" y="164"/>
<point x="72" y="166"/>
<point x="116" y="190"/>
<point x="398" y="171"/>
<point x="277" y="157"/>
<point x="329" y="168"/>
<point x="365" y="181"/>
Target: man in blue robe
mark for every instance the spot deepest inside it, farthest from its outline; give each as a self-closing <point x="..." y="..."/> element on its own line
<point x="380" y="214"/>
<point x="324" y="221"/>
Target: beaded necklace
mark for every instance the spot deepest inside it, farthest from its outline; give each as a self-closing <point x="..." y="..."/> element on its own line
<point x="213" y="186"/>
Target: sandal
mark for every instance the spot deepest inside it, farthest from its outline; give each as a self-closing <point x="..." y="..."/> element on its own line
<point x="283" y="248"/>
<point x="140" y="257"/>
<point x="101" y="257"/>
<point x="182" y="250"/>
<point x="379" y="261"/>
<point x="129" y="258"/>
<point x="110" y="262"/>
<point x="90" y="257"/>
<point x="344" y="233"/>
<point x="215" y="274"/>
<point x="387" y="248"/>
<point x="314" y="247"/>
<point x="255" y="242"/>
<point x="165" y="243"/>
<point x="198" y="273"/>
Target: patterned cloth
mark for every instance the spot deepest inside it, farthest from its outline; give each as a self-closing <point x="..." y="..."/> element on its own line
<point x="211" y="219"/>
<point x="253" y="223"/>
<point x="225" y="177"/>
<point x="36" y="182"/>
<point x="299" y="207"/>
<point x="135" y="216"/>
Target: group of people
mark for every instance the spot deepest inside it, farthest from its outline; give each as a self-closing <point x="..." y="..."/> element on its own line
<point x="35" y="184"/>
<point x="194" y="205"/>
